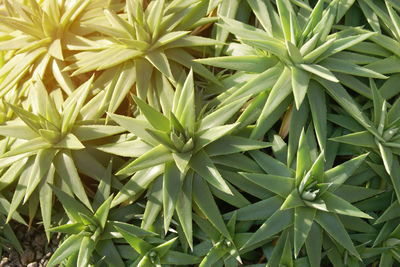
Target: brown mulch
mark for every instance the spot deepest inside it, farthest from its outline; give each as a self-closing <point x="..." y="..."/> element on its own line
<point x="36" y="250"/>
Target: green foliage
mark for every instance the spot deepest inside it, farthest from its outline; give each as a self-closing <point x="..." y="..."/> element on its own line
<point x="202" y="132"/>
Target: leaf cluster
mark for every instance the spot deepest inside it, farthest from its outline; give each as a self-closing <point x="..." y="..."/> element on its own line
<point x="203" y="132"/>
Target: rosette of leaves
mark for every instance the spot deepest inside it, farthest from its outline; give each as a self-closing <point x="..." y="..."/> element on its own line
<point x="383" y="18"/>
<point x="158" y="254"/>
<point x="144" y="40"/>
<point x="308" y="202"/>
<point x="294" y="46"/>
<point x="387" y="239"/>
<point x="88" y="232"/>
<point x="35" y="37"/>
<point x="39" y="149"/>
<point x="218" y="249"/>
<point x="385" y="118"/>
<point x="179" y="148"/>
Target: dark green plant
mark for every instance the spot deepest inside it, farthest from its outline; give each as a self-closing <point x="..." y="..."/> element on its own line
<point x="8" y="236"/>
<point x="303" y="197"/>
<point x="179" y="145"/>
<point x="89" y="232"/>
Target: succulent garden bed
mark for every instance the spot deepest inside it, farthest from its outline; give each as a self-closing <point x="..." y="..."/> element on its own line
<point x="200" y="133"/>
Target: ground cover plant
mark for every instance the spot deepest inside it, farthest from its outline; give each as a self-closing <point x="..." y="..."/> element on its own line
<point x="202" y="132"/>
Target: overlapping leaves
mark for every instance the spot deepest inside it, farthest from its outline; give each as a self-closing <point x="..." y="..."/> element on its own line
<point x="188" y="176"/>
<point x="141" y="42"/>
<point x="35" y="37"/>
<point x="307" y="198"/>
<point x="180" y="148"/>
<point x="38" y="148"/>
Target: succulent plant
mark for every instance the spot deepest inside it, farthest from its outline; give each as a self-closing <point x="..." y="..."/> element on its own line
<point x="39" y="150"/>
<point x="202" y="132"/>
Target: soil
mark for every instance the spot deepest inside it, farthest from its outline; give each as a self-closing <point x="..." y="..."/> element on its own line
<point x="36" y="250"/>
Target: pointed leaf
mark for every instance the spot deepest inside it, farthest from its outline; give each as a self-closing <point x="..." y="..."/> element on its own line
<point x="184" y="208"/>
<point x="160" y="61"/>
<point x="135" y="126"/>
<point x="203" y="165"/>
<point x="158" y="155"/>
<point x="387" y="157"/>
<point x="271" y="165"/>
<point x="303" y="219"/>
<point x="137" y="184"/>
<point x="18" y="129"/>
<point x="70" y="141"/>
<point x="314" y="243"/>
<point x="92" y="132"/>
<point x="71" y="206"/>
<point x="300" y="80"/>
<point x="101" y="214"/>
<point x="173" y="179"/>
<point x="277" y="184"/>
<point x="230" y="144"/>
<point x="318" y="112"/>
<point x="363" y="138"/>
<point x="304" y="162"/>
<point x="66" y="169"/>
<point x="279" y="92"/>
<point x="347" y="102"/>
<point x="133" y="229"/>
<point x="204" y="199"/>
<point x="258" y="211"/>
<point x="164" y="247"/>
<point x="40" y="167"/>
<point x="215" y="253"/>
<point x="154" y="117"/>
<point x="293" y="200"/>
<point x="338" y="65"/>
<point x="33" y="145"/>
<point x="284" y="15"/>
<point x="67" y="248"/>
<point x="85" y="251"/>
<point x="280" y="220"/>
<point x="320" y="71"/>
<point x="339" y="174"/>
<point x="221" y="115"/>
<point x="210" y="135"/>
<point x="112" y="255"/>
<point x="141" y="246"/>
<point x="182" y="160"/>
<point x="332" y="225"/>
<point x="341" y="206"/>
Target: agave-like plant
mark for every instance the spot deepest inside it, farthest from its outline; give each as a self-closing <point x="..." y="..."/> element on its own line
<point x="386" y="144"/>
<point x="156" y="255"/>
<point x="142" y="41"/>
<point x="89" y="231"/>
<point x="388" y="242"/>
<point x="178" y="145"/>
<point x="35" y="36"/>
<point x="304" y="197"/>
<point x="281" y="150"/>
<point x="385" y="21"/>
<point x="39" y="153"/>
<point x="286" y="54"/>
<point x="222" y="249"/>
